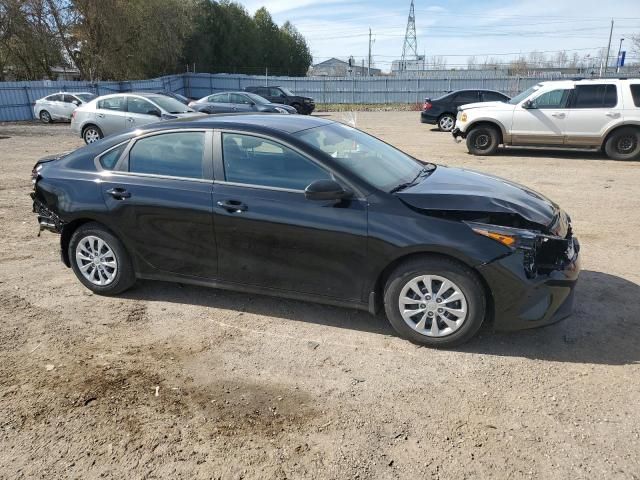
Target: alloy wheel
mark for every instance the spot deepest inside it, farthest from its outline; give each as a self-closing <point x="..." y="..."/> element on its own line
<point x="433" y="305"/>
<point x="91" y="135"/>
<point x="446" y="123"/>
<point x="45" y="117"/>
<point x="96" y="260"/>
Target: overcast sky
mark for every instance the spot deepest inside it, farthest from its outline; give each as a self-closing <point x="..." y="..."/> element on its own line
<point x="456" y="29"/>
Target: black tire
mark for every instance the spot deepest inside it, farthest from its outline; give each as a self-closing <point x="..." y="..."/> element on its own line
<point x="483" y="140"/>
<point x="124" y="277"/>
<point x="462" y="276"/>
<point x="89" y="134"/>
<point x="623" y="144"/>
<point x="298" y="108"/>
<point x="45" y="117"/>
<point x="446" y="122"/>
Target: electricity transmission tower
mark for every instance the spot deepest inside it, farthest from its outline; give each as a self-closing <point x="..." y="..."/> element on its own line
<point x="410" y="47"/>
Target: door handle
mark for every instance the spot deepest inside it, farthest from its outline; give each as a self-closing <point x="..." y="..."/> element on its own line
<point x="233" y="206"/>
<point x="119" y="193"/>
<point x="612" y="114"/>
<point x="558" y="115"/>
<point x="130" y="119"/>
<point x="100" y="115"/>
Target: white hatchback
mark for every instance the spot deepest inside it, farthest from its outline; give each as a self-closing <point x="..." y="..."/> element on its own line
<point x="596" y="114"/>
<point x="60" y="106"/>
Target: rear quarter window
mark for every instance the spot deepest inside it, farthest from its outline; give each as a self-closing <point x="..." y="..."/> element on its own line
<point x="108" y="160"/>
<point x="595" y="96"/>
<point x="635" y="93"/>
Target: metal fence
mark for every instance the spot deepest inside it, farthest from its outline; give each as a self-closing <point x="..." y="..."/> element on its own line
<point x="17" y="98"/>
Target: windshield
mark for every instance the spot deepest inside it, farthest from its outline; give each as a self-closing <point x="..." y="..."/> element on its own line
<point x="287" y="92"/>
<point x="170" y="105"/>
<point x="518" y="98"/>
<point x="374" y="161"/>
<point x="257" y="98"/>
<point x="85" y="97"/>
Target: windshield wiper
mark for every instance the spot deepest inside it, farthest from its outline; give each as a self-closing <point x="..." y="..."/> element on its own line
<point x="423" y="172"/>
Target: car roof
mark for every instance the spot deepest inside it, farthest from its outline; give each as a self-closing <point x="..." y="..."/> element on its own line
<point x="251" y="121"/>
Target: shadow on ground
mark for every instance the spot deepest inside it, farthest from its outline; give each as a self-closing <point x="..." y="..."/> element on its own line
<point x="604" y="329"/>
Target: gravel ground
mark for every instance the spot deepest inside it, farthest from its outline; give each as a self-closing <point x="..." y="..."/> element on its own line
<point x="171" y="381"/>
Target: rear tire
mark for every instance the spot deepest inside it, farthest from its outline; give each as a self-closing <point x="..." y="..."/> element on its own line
<point x="623" y="144"/>
<point x="446" y="122"/>
<point x="45" y="117"/>
<point x="100" y="261"/>
<point x="458" y="308"/>
<point x="91" y="134"/>
<point x="483" y="140"/>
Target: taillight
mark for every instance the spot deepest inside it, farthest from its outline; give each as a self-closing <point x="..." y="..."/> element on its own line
<point x="427" y="106"/>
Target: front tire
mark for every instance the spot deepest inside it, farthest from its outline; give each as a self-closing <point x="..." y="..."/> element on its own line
<point x="435" y="301"/>
<point x="483" y="140"/>
<point x="45" y="117"/>
<point x="446" y="122"/>
<point x="623" y="144"/>
<point x="298" y="108"/>
<point x="100" y="261"/>
<point x="91" y="134"/>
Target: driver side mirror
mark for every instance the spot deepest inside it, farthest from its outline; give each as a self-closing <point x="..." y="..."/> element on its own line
<point x="528" y="105"/>
<point x="325" y="190"/>
<point x="76" y="102"/>
<point x="155" y="112"/>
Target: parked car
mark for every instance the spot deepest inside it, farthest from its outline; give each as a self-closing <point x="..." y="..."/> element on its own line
<point x="232" y="102"/>
<point x="174" y="95"/>
<point x="60" y="106"/>
<point x="111" y="114"/>
<point x="597" y="114"/>
<point x="276" y="94"/>
<point x="442" y="110"/>
<point x="307" y="208"/>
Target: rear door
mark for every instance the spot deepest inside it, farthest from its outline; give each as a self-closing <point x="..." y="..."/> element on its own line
<point x="111" y="113"/>
<point x="269" y="235"/>
<point x="141" y="111"/>
<point x="594" y="109"/>
<point x="70" y="104"/>
<point x="545" y="122"/>
<point x="159" y="196"/>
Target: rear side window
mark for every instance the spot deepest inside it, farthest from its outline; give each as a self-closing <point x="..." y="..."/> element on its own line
<point x="109" y="159"/>
<point x="256" y="161"/>
<point x="54" y="98"/>
<point x="635" y="93"/>
<point x="595" y="96"/>
<point x="177" y="154"/>
<point x="114" y="103"/>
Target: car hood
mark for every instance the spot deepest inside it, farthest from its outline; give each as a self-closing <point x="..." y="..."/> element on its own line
<point x="470" y="106"/>
<point x="457" y="189"/>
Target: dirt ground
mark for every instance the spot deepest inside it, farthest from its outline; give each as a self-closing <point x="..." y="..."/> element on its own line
<point x="171" y="381"/>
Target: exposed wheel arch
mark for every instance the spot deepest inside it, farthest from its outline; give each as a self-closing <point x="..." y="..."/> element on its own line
<point x="68" y="231"/>
<point x="376" y="303"/>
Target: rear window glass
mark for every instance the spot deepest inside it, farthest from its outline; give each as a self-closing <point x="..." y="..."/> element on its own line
<point x="635" y="93"/>
<point x="595" y="96"/>
<point x="109" y="159"/>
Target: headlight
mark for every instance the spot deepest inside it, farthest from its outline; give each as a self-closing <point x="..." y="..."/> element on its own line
<point x="307" y="100"/>
<point x="281" y="110"/>
<point x="542" y="252"/>
<point x="463" y="117"/>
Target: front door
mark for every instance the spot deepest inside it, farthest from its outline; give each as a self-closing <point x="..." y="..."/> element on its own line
<point x="269" y="235"/>
<point x="544" y="121"/>
<point x="160" y="203"/>
<point x="141" y="112"/>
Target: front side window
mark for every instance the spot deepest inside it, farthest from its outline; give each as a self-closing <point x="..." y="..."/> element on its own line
<point x="493" y="97"/>
<point x="275" y="92"/>
<point x="140" y="105"/>
<point x="170" y="105"/>
<point x="595" y="96"/>
<point x="466" y="97"/>
<point x="239" y="99"/>
<point x="113" y="103"/>
<point x="85" y="97"/>
<point x="54" y="98"/>
<point x="370" y="159"/>
<point x="70" y="99"/>
<point x="257" y="161"/>
<point x="178" y="154"/>
<point x="552" y="99"/>
<point x="526" y="94"/>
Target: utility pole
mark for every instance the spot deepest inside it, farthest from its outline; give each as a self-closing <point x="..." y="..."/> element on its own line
<point x="369" y="62"/>
<point x="606" y="62"/>
<point x="619" y="52"/>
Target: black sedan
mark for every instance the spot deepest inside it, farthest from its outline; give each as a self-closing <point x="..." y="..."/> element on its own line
<point x="307" y="208"/>
<point x="442" y="110"/>
<point x="238" y="102"/>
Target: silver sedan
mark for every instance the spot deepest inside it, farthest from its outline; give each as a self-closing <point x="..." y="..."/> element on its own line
<point x="60" y="106"/>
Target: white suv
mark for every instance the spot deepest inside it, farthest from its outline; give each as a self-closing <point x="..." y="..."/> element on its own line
<point x="600" y="114"/>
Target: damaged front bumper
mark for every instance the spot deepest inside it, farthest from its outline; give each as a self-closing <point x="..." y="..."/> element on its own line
<point x="532" y="289"/>
<point x="47" y="219"/>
